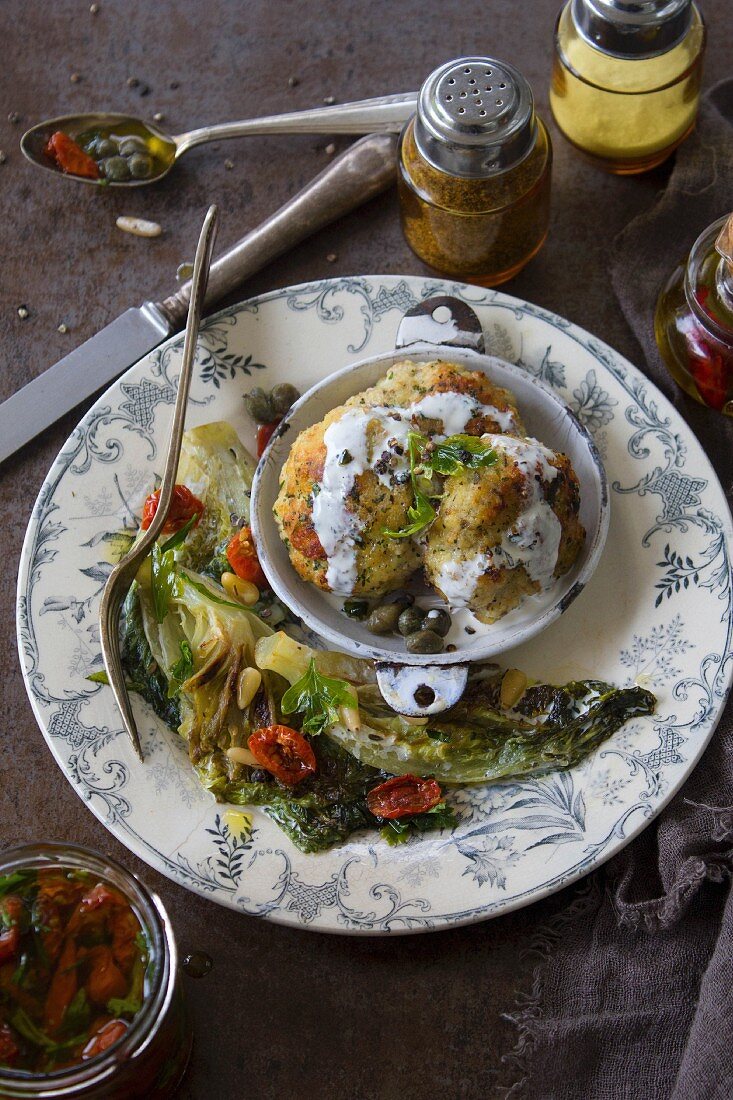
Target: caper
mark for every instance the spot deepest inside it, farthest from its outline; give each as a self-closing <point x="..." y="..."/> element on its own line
<point x="410" y="620"/>
<point x="259" y="406"/>
<point x="141" y="166"/>
<point x="356" y="609"/>
<point x="438" y="620"/>
<point x="383" y="619"/>
<point x="423" y="641"/>
<point x="105" y="147"/>
<point x="282" y="397"/>
<point x="117" y="169"/>
<point x="403" y="600"/>
<point x="132" y="144"/>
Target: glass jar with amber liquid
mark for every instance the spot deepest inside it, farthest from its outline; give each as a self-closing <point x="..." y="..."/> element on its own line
<point x="73" y="922"/>
<point x="693" y="323"/>
<point x="474" y="172"/>
<point x="626" y="79"/>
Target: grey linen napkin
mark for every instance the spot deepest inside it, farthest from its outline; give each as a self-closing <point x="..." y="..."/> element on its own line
<point x="631" y="993"/>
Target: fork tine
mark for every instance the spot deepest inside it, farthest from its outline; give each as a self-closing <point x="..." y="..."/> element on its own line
<point x="120" y="579"/>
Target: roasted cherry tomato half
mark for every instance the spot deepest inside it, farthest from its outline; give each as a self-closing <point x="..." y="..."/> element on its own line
<point x="403" y="796"/>
<point x="284" y="752"/>
<point x="183" y="506"/>
<point x="70" y="157"/>
<point x="242" y="556"/>
<point x="108" y="1034"/>
<point x="264" y="435"/>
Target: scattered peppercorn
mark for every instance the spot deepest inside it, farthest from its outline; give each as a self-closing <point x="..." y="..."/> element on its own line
<point x="228" y="164"/>
<point x="132" y="82"/>
<point x="75" y="78"/>
<point x="174" y="85"/>
<point x="93" y="8"/>
<point x="13" y="117"/>
<point x="3" y="157"/>
<point x="293" y="81"/>
<point x="158" y="116"/>
<point x="330" y="149"/>
<point x="331" y="257"/>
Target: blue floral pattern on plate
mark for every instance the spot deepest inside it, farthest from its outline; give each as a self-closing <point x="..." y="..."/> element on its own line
<point x="656" y="612"/>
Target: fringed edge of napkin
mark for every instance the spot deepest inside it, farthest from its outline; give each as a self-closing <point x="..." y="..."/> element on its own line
<point x="528" y="1001"/>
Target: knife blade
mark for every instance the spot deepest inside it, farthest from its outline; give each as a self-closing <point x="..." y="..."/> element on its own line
<point x="366" y="168"/>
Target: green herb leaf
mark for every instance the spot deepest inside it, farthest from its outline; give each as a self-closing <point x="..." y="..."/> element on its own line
<point x="399" y="830"/>
<point x="454" y="453"/>
<point x="181" y="670"/>
<point x="459" y="452"/>
<point x="100" y="677"/>
<point x="420" y="514"/>
<point x="131" y="1004"/>
<point x="318" y="698"/>
<point x="23" y="1024"/>
<point x="77" y="1015"/>
<point x="9" y="882"/>
<point x="163" y="582"/>
<point x="178" y="537"/>
<point x="206" y="591"/>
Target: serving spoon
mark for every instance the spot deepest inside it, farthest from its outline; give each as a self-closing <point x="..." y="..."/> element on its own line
<point x="385" y="114"/>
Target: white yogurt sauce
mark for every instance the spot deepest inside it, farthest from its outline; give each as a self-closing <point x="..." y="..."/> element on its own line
<point x="383" y="450"/>
<point x="533" y="540"/>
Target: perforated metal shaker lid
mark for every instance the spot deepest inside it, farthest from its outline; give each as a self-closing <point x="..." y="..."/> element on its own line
<point x="475" y="117"/>
<point x="633" y="28"/>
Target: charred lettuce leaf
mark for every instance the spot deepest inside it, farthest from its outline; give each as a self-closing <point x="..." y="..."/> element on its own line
<point x="320" y="812"/>
<point x="553" y="726"/>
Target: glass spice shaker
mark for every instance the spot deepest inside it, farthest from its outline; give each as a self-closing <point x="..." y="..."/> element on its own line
<point x="626" y="79"/>
<point x="474" y="172"/>
<point x="693" y="322"/>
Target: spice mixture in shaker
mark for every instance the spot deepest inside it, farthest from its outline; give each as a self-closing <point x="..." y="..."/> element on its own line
<point x="474" y="172"/>
<point x="626" y="79"/>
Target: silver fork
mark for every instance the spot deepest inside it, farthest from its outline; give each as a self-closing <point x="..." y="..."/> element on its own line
<point x="124" y="573"/>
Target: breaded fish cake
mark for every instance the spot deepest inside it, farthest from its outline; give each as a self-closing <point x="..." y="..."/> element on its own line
<point x="340" y="488"/>
<point x="450" y="398"/>
<point x="505" y="531"/>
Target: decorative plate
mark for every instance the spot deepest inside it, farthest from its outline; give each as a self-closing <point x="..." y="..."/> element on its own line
<point x="656" y="612"/>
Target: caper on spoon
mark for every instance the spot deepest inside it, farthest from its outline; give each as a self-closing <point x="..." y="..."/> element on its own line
<point x="129" y="152"/>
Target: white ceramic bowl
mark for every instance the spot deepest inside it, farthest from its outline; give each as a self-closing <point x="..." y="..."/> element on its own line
<point x="546" y="417"/>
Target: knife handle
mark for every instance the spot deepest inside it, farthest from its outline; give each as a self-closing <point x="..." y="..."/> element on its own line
<point x="366" y="168"/>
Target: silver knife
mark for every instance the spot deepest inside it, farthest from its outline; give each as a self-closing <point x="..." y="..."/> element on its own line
<point x="365" y="169"/>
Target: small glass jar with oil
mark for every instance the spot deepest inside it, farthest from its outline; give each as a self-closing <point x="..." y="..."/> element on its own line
<point x="626" y="79"/>
<point x="474" y="172"/>
<point x="693" y="323"/>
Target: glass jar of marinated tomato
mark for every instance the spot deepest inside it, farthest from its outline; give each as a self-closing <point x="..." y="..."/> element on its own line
<point x="76" y="927"/>
<point x="693" y="323"/>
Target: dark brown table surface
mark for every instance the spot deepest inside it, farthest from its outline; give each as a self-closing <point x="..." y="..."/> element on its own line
<point x="282" y="1012"/>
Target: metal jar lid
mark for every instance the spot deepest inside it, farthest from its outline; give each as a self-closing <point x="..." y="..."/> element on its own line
<point x="633" y="28"/>
<point x="475" y="118"/>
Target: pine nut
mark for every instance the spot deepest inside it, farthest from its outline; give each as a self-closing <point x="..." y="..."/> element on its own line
<point x="350" y="718"/>
<point x="244" y="591"/>
<point x="513" y="687"/>
<point x="248" y="684"/>
<point x="239" y="755"/>
<point x="139" y="227"/>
